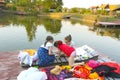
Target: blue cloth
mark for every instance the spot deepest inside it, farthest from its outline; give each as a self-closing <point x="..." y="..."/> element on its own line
<point x="44" y="58"/>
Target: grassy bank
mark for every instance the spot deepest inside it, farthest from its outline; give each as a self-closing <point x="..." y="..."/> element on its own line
<point x="85" y="17"/>
<point x="57" y="15"/>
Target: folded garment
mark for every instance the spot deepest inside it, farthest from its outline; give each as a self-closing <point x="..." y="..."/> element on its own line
<point x="32" y="73"/>
<point x="85" y="52"/>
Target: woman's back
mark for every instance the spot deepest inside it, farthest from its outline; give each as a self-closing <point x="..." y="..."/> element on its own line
<point x="66" y="49"/>
<point x="48" y="44"/>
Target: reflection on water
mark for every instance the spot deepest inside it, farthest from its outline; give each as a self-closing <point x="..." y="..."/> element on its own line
<point x="102" y="31"/>
<point x="112" y="32"/>
<point x="25" y="32"/>
<point x="31" y="23"/>
<point x="51" y="25"/>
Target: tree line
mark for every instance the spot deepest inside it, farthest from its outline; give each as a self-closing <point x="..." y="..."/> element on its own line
<point x="34" y="6"/>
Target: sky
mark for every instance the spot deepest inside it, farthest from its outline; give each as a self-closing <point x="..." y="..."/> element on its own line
<point x="87" y="3"/>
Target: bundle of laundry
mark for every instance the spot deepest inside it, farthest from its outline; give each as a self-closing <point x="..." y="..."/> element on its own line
<point x="32" y="73"/>
<point x="27" y="56"/>
<point x="108" y="69"/>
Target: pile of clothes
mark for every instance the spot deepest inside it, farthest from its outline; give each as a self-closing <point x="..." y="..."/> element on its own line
<point x="26" y="57"/>
<point x="91" y="70"/>
<point x="88" y="71"/>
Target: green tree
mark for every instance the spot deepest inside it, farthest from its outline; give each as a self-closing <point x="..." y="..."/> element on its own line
<point x="35" y="6"/>
<point x="53" y="4"/>
<point x="103" y="12"/>
<point x="84" y="10"/>
<point x="65" y="9"/>
<point x="74" y="10"/>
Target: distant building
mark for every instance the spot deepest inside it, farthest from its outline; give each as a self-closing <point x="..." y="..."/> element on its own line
<point x="114" y="9"/>
<point x="104" y="7"/>
<point x="2" y="0"/>
<point x="2" y="4"/>
<point x="94" y="9"/>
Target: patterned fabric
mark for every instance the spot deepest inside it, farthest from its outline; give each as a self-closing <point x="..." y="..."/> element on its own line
<point x="81" y="72"/>
<point x="63" y="74"/>
<point x="44" y="58"/>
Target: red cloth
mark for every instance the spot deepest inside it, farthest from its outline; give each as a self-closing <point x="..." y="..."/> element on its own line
<point x="113" y="64"/>
<point x="66" y="49"/>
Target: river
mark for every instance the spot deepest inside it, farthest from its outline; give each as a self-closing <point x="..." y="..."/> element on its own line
<point x="25" y="32"/>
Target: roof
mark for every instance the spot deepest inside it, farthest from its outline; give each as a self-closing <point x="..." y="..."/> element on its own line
<point x="103" y="6"/>
<point x="2" y="1"/>
<point x="114" y="7"/>
<point x="94" y="7"/>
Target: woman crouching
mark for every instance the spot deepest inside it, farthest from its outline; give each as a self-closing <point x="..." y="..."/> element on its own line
<point x="67" y="50"/>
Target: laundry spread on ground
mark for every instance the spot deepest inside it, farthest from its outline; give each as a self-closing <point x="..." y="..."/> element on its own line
<point x="91" y="66"/>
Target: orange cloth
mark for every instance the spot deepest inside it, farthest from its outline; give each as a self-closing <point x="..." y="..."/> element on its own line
<point x="81" y="72"/>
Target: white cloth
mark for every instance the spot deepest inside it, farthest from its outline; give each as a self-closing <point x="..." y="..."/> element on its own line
<point x="85" y="52"/>
<point x="25" y="58"/>
<point x="32" y="74"/>
<point x="48" y="44"/>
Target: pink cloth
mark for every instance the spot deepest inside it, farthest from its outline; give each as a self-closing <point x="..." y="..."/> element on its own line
<point x="92" y="63"/>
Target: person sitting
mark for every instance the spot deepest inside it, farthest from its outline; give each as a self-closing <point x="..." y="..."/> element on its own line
<point x="68" y="40"/>
<point x="45" y="54"/>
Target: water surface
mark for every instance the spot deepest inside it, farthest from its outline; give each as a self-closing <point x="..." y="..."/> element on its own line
<point x="25" y="32"/>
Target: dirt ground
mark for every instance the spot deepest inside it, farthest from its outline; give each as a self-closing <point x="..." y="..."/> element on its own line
<point x="9" y="65"/>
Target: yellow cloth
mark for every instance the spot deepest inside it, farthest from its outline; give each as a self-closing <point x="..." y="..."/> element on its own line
<point x="89" y="68"/>
<point x="31" y="52"/>
<point x="66" y="67"/>
<point x="93" y="75"/>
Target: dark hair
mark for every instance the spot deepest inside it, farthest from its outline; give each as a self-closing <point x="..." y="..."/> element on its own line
<point x="57" y="43"/>
<point x="68" y="38"/>
<point x="48" y="38"/>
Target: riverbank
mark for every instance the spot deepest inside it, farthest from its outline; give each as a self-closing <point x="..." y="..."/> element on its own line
<point x="87" y="18"/>
<point x="10" y="67"/>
